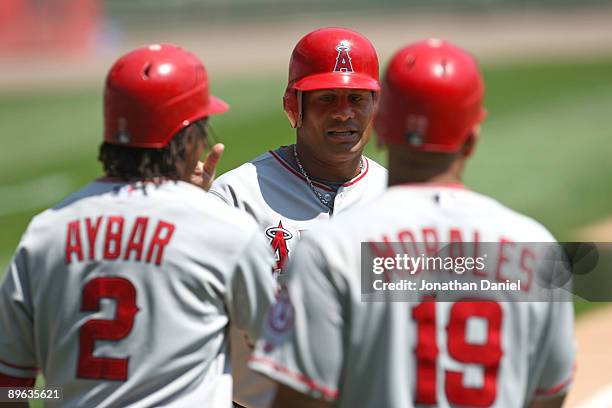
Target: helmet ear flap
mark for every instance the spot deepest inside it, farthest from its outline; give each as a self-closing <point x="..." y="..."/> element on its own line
<point x="293" y="107"/>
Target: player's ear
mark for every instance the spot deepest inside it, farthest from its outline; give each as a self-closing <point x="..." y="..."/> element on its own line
<point x="380" y="143"/>
<point x="292" y="104"/>
<point x="469" y="146"/>
<point x="376" y="99"/>
<point x="375" y="104"/>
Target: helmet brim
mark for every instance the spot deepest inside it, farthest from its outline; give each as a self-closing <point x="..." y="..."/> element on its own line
<point x="337" y="80"/>
<point x="215" y="106"/>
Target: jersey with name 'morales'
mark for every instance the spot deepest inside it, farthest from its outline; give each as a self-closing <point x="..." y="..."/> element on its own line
<point x="121" y="295"/>
<point x="323" y="340"/>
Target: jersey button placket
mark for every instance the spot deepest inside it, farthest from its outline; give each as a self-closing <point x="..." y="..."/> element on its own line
<point x="339" y="198"/>
<point x="325" y="194"/>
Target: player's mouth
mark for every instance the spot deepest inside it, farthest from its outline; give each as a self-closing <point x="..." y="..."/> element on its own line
<point x="343" y="135"/>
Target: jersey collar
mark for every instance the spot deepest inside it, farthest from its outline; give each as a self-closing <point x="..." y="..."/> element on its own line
<point x="322" y="186"/>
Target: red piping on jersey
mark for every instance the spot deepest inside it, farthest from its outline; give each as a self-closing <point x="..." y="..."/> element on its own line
<point x="18" y="366"/>
<point x="328" y="393"/>
<point x="288" y="167"/>
<point x="459" y="186"/>
<point x="321" y="186"/>
<point x="359" y="177"/>
<point x="556" y="388"/>
<point x="10" y="381"/>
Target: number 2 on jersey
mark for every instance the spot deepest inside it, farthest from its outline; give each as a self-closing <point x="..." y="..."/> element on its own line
<point x="487" y="355"/>
<point x="124" y="294"/>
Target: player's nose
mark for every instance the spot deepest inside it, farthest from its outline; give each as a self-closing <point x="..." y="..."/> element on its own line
<point x="343" y="110"/>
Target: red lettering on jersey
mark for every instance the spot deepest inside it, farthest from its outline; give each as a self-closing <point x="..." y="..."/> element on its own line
<point x="73" y="241"/>
<point x="92" y="233"/>
<point x="123" y="292"/>
<point x="112" y="241"/>
<point x="487" y="355"/>
<point x="426" y="351"/>
<point x="137" y="238"/>
<point x="455" y="235"/>
<point x="431" y="241"/>
<point x="387" y="251"/>
<point x="476" y="243"/>
<point x="384" y="251"/>
<point x="455" y="241"/>
<point x="526" y="254"/>
<point x="279" y="245"/>
<point x="503" y="259"/>
<point x="161" y="238"/>
<point x="404" y="237"/>
<point x="343" y="60"/>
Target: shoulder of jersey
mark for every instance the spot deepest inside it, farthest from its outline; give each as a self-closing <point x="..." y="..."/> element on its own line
<point x="48" y="216"/>
<point x="526" y="228"/>
<point x="378" y="172"/>
<point x="209" y="207"/>
<point x="375" y="166"/>
<point x="181" y="198"/>
<point x="244" y="171"/>
<point x="532" y="230"/>
<point x="522" y="227"/>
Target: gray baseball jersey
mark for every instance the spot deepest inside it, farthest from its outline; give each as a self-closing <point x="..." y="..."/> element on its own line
<point x="323" y="340"/>
<point x="122" y="295"/>
<point x="273" y="191"/>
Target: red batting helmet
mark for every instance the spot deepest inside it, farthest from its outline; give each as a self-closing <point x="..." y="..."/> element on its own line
<point x="152" y="93"/>
<point x="329" y="58"/>
<point x="431" y="98"/>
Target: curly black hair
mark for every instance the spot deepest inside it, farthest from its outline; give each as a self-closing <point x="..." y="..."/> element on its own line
<point x="129" y="163"/>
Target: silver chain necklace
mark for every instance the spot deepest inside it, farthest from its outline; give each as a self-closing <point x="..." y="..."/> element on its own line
<point x="325" y="200"/>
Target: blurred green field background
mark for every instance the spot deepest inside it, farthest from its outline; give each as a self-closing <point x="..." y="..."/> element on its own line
<point x="545" y="147"/>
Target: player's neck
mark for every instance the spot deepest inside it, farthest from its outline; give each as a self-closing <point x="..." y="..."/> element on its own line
<point x="396" y="178"/>
<point x="333" y="172"/>
<point x="410" y="167"/>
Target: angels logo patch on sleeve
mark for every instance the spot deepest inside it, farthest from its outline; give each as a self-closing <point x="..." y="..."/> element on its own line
<point x="279" y="323"/>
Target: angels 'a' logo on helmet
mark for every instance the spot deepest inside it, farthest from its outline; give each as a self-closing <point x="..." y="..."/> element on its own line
<point x="343" y="60"/>
<point x="278" y="240"/>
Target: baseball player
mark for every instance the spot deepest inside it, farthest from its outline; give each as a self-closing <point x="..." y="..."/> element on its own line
<point x="325" y="347"/>
<point x="122" y="293"/>
<point x="330" y="100"/>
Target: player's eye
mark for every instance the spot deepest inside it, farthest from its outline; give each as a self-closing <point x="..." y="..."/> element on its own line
<point x="356" y="98"/>
<point x="327" y="98"/>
